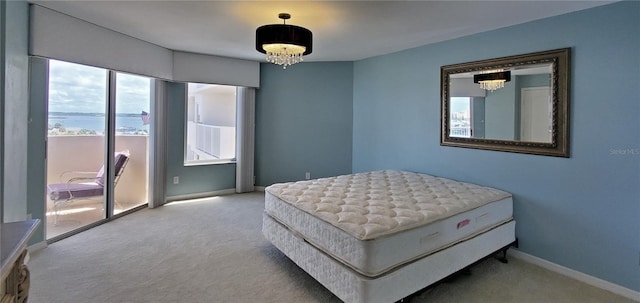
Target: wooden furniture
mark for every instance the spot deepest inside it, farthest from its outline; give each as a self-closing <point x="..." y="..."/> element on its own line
<point x="15" y="274"/>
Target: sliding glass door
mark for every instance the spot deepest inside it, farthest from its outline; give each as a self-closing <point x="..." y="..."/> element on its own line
<point x="132" y="118"/>
<point x="97" y="146"/>
<point x="75" y="146"/>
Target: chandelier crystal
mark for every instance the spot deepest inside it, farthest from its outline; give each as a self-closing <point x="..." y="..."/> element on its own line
<point x="284" y="54"/>
<point x="492" y="85"/>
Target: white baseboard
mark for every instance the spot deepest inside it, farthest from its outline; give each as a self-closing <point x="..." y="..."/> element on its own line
<point x="582" y="277"/>
<point x="208" y="194"/>
<point x="34" y="248"/>
<point x="37" y="246"/>
<point x="259" y="188"/>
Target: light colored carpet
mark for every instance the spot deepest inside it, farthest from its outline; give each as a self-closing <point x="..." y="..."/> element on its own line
<point x="80" y="213"/>
<point x="212" y="250"/>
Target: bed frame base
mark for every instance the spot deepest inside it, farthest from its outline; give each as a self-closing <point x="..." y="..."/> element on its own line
<point x="400" y="283"/>
<point x="503" y="251"/>
<point x="500" y="255"/>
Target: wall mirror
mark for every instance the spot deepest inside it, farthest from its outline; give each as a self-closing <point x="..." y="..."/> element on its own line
<point x="513" y="104"/>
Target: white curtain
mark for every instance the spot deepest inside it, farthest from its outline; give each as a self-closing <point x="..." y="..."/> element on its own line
<point x="158" y="143"/>
<point x="245" y="137"/>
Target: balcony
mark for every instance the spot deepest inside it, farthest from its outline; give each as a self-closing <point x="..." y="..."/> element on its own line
<point x="86" y="153"/>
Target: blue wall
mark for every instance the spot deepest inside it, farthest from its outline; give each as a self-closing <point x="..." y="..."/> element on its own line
<point x="500" y="112"/>
<point x="303" y="121"/>
<point x="581" y="212"/>
<point x="194" y="180"/>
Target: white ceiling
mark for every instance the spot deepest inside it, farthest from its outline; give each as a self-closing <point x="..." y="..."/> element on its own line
<point x="342" y="30"/>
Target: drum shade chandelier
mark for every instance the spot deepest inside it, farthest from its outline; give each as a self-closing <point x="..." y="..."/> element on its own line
<point x="492" y="80"/>
<point x="284" y="44"/>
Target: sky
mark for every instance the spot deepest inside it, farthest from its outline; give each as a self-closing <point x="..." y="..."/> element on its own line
<point x="459" y="104"/>
<point x="83" y="89"/>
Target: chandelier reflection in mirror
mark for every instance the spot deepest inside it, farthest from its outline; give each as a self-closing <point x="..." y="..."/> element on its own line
<point x="284" y="44"/>
<point x="492" y="80"/>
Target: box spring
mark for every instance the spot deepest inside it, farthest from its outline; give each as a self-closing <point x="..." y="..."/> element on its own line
<point x="394" y="285"/>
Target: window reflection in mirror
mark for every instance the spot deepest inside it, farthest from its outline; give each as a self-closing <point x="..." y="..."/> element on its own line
<point x="460" y="117"/>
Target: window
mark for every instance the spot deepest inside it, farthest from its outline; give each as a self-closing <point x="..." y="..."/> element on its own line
<point x="210" y="124"/>
<point x="460" y="119"/>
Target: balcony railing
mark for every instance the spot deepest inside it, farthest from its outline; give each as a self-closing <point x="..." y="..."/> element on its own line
<point x="464" y="132"/>
<point x="86" y="153"/>
<point x="217" y="141"/>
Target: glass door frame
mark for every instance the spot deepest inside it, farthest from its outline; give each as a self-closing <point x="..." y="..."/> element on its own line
<point x="110" y="144"/>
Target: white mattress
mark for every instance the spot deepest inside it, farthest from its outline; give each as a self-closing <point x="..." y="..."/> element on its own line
<point x="377" y="221"/>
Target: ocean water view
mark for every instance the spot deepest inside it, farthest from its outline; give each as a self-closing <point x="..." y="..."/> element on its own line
<point x="93" y="123"/>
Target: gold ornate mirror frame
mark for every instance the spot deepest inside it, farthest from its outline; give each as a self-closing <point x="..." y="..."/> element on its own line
<point x="557" y="61"/>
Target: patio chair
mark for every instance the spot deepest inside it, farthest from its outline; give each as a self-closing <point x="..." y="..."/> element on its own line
<point x="76" y="188"/>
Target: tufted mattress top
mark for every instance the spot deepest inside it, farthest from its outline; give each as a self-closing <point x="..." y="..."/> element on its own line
<point x="374" y="204"/>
